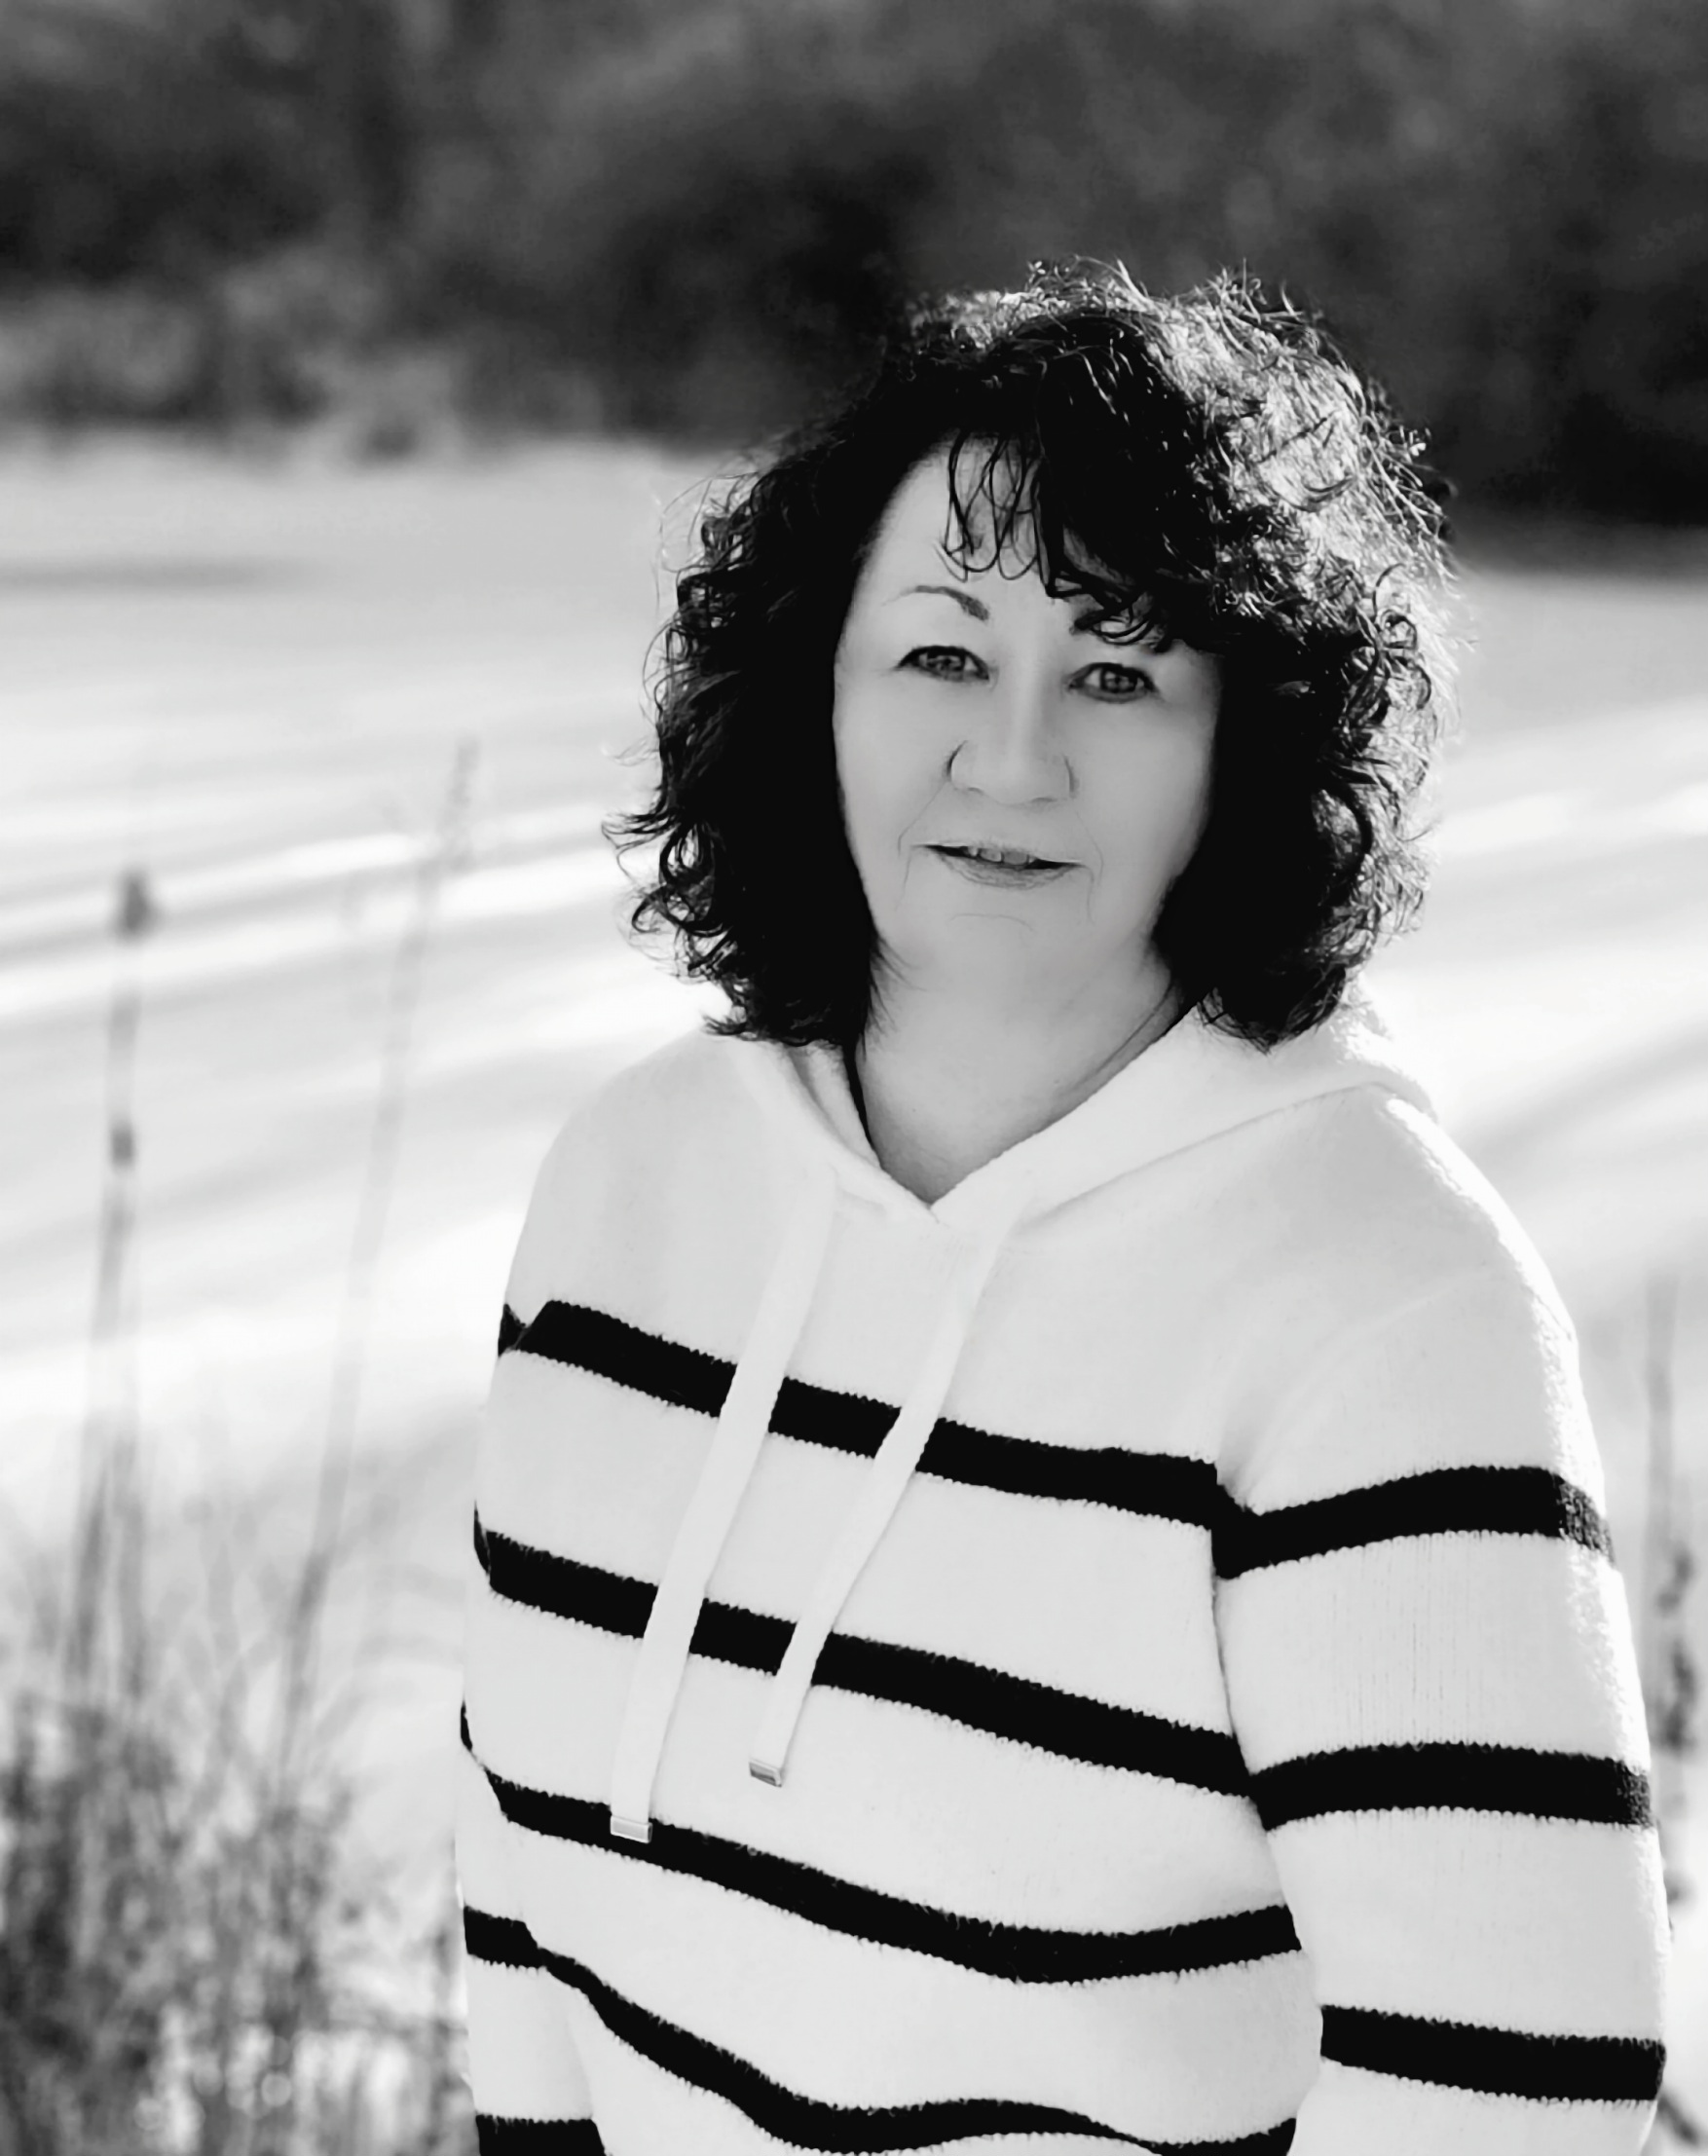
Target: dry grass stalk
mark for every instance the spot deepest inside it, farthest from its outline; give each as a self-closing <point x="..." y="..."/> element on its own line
<point x="293" y="2001"/>
<point x="1671" y="1687"/>
<point x="182" y="1927"/>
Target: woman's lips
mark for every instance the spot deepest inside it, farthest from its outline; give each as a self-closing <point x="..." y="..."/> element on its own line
<point x="1011" y="872"/>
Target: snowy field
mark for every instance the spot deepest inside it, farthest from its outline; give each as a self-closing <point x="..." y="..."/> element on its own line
<point x="250" y="683"/>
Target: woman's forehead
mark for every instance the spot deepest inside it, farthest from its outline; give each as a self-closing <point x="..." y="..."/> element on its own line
<point x="977" y="514"/>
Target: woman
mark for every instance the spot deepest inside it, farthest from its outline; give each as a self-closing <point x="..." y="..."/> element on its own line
<point x="1042" y="1577"/>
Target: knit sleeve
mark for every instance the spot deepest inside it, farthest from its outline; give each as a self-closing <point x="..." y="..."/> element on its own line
<point x="529" y="2092"/>
<point x="1431" y="1668"/>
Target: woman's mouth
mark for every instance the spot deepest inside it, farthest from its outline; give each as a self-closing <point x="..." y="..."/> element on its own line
<point x="1004" y="865"/>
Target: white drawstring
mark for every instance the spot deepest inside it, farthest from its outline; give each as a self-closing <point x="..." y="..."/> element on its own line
<point x="880" y="1495"/>
<point x="742" y="1425"/>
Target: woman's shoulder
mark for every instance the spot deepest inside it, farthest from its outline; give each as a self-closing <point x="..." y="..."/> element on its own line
<point x="1413" y="1324"/>
<point x="686" y="1095"/>
<point x="1350" y="1194"/>
<point x="632" y="1154"/>
<point x="1378" y="1206"/>
<point x="692" y="1071"/>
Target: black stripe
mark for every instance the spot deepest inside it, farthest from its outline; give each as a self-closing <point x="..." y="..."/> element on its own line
<point x="1156" y="1485"/>
<point x="804" y="2121"/>
<point x="1442" y="1500"/>
<point x="688" y="2057"/>
<point x="1274" y="2140"/>
<point x="1019" y="1954"/>
<point x="1003" y="1705"/>
<point x="496" y="2137"/>
<point x="500" y="1939"/>
<point x="1025" y="1712"/>
<point x="664" y="1369"/>
<point x="1494" y="2061"/>
<point x="561" y="1586"/>
<point x="1455" y="1777"/>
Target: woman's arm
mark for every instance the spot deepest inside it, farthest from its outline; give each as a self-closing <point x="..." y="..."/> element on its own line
<point x="530" y="2094"/>
<point x="1430" y="1661"/>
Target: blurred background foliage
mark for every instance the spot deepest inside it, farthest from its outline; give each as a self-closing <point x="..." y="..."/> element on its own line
<point x="684" y="217"/>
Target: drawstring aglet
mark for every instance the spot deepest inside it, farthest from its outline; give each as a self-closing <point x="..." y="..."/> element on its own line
<point x="762" y="1770"/>
<point x="630" y="1829"/>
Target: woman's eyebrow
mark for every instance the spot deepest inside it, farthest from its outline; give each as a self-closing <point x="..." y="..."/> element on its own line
<point x="976" y="608"/>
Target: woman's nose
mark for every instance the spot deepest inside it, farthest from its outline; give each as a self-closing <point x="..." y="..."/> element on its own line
<point x="1013" y="754"/>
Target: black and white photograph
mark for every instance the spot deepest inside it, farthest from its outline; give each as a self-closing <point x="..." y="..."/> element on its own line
<point x="853" y="1077"/>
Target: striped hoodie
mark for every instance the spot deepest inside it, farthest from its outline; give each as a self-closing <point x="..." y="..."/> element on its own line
<point x="1126" y="1655"/>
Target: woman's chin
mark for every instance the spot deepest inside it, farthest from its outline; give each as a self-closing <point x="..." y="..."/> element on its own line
<point x="996" y="958"/>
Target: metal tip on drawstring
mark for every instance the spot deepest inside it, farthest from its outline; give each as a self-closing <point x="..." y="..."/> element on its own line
<point x="762" y="1770"/>
<point x="630" y="1829"/>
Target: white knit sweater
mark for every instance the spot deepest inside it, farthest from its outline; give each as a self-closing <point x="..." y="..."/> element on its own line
<point x="1128" y="1655"/>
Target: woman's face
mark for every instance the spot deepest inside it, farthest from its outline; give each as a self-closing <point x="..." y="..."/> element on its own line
<point x="974" y="711"/>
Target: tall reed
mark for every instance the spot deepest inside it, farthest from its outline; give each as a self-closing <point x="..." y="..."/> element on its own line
<point x="291" y="1994"/>
<point x="185" y="1927"/>
<point x="1671" y="1684"/>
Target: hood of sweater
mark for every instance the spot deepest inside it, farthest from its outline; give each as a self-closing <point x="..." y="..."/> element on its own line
<point x="1189" y="1087"/>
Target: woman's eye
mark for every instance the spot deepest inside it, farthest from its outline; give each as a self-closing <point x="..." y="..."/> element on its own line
<point x="1116" y="683"/>
<point x="948" y="662"/>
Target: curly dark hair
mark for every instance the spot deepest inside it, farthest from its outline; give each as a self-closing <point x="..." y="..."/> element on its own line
<point x="1236" y="483"/>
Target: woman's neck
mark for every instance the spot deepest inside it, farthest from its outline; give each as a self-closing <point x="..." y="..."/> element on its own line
<point x="942" y="1091"/>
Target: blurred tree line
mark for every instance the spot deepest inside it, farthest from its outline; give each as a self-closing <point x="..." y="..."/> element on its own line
<point x="688" y="216"/>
